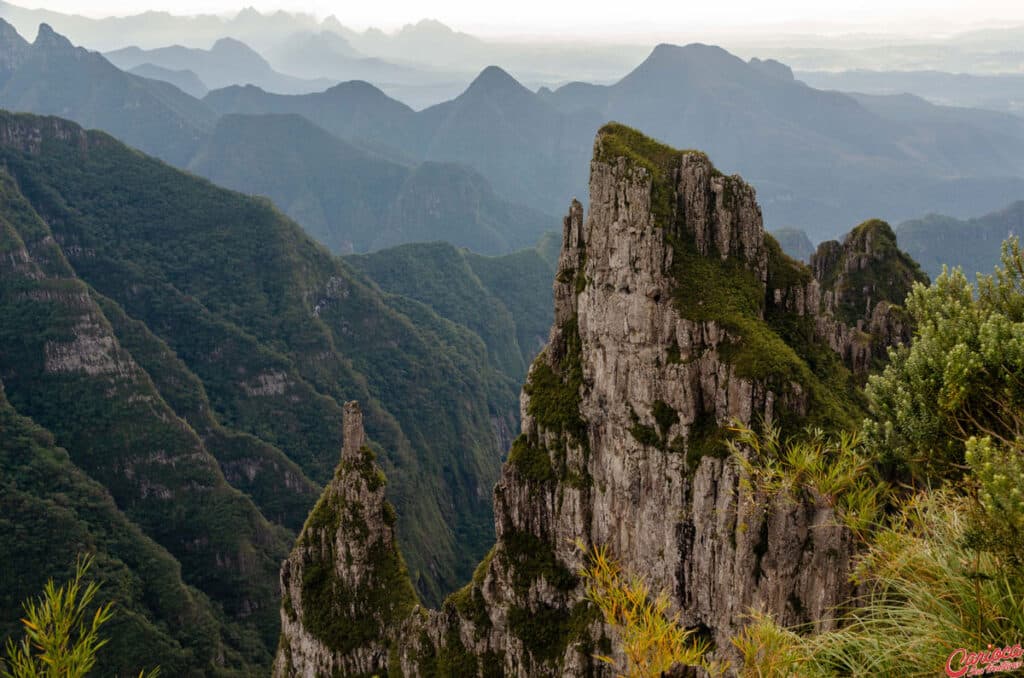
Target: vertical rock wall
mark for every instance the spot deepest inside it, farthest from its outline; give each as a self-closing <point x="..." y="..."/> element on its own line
<point x="672" y="316"/>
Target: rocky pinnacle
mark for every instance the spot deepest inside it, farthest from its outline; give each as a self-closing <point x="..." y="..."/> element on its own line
<point x="675" y="315"/>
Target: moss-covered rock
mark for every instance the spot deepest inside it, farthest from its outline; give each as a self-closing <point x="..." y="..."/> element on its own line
<point x="345" y="586"/>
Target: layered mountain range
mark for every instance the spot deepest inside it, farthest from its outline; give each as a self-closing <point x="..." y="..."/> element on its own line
<point x="675" y="315"/>
<point x="352" y="199"/>
<point x="227" y="62"/>
<point x="174" y="357"/>
<point x="178" y="361"/>
<point x="821" y="160"/>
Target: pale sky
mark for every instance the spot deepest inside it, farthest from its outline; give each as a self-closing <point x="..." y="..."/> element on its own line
<point x="600" y="16"/>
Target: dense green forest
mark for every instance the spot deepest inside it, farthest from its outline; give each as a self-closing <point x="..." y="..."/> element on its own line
<point x="189" y="347"/>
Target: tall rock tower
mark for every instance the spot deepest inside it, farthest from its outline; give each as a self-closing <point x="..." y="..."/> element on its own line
<point x="674" y="315"/>
<point x="345" y="588"/>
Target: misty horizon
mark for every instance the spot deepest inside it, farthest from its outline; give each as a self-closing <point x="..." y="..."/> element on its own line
<point x="876" y="22"/>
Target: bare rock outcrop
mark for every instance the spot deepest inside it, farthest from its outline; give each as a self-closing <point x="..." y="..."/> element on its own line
<point x="345" y="587"/>
<point x="674" y="316"/>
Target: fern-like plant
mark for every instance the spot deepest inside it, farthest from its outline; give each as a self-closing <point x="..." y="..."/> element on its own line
<point x="61" y="636"/>
<point x="653" y="640"/>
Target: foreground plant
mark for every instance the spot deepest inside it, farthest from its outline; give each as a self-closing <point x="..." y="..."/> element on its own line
<point x="930" y="593"/>
<point x="653" y="641"/>
<point x="835" y="469"/>
<point x="961" y="376"/>
<point x="942" y="571"/>
<point x="61" y="637"/>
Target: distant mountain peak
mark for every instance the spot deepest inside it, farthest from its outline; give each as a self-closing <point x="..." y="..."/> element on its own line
<point x="230" y="44"/>
<point x="694" y="52"/>
<point x="495" y="79"/>
<point x="695" y="60"/>
<point x="354" y="87"/>
<point x="51" y="39"/>
<point x="427" y="26"/>
<point x="10" y="38"/>
<point x="773" y="67"/>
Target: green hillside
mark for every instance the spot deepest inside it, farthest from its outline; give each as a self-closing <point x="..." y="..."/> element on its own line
<point x="351" y="200"/>
<point x="505" y="300"/>
<point x="189" y="347"/>
<point x="973" y="244"/>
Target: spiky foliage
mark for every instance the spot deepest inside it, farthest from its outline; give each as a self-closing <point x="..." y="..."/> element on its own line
<point x="651" y="638"/>
<point x="834" y="468"/>
<point x="62" y="636"/>
<point x="941" y="576"/>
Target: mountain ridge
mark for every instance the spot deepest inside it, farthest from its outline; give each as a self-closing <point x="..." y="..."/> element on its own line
<point x="429" y="201"/>
<point x="973" y="244"/>
<point x="232" y="339"/>
<point x="674" y="315"/>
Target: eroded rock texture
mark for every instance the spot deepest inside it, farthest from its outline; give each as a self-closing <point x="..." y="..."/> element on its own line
<point x="674" y="315"/>
<point x="345" y="587"/>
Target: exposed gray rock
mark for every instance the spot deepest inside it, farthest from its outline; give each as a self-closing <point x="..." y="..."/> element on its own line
<point x="621" y="436"/>
<point x="344" y="586"/>
<point x="867" y="278"/>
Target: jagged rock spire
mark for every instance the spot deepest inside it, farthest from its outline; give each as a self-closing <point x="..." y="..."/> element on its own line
<point x="345" y="588"/>
<point x="352" y="427"/>
<point x="674" y="315"/>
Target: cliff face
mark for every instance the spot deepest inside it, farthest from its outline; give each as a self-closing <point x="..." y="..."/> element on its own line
<point x="865" y="277"/>
<point x="674" y="315"/>
<point x="345" y="585"/>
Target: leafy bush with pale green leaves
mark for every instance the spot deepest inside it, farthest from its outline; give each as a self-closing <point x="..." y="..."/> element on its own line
<point x="998" y="471"/>
<point x="942" y="570"/>
<point x="963" y="374"/>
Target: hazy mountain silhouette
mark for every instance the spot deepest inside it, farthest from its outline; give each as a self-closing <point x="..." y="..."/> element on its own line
<point x="158" y="29"/>
<point x="528" y="150"/>
<point x="1001" y="92"/>
<point x="355" y="111"/>
<point x="326" y="54"/>
<point x="818" y="159"/>
<point x="349" y="198"/>
<point x="973" y="244"/>
<point x="353" y="201"/>
<point x="52" y="76"/>
<point x="187" y="81"/>
<point x="228" y="62"/>
<point x="447" y="59"/>
<point x="795" y="243"/>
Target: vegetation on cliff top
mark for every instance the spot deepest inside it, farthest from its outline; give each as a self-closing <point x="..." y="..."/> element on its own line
<point x="888" y="272"/>
<point x="239" y="337"/>
<point x="765" y="343"/>
<point x="941" y="571"/>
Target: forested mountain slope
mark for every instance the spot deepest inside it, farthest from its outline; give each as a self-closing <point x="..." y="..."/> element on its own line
<point x="189" y="347"/>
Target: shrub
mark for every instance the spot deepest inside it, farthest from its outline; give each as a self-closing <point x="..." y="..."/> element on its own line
<point x="61" y="639"/>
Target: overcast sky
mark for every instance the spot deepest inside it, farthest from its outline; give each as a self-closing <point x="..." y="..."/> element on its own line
<point x="595" y="17"/>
